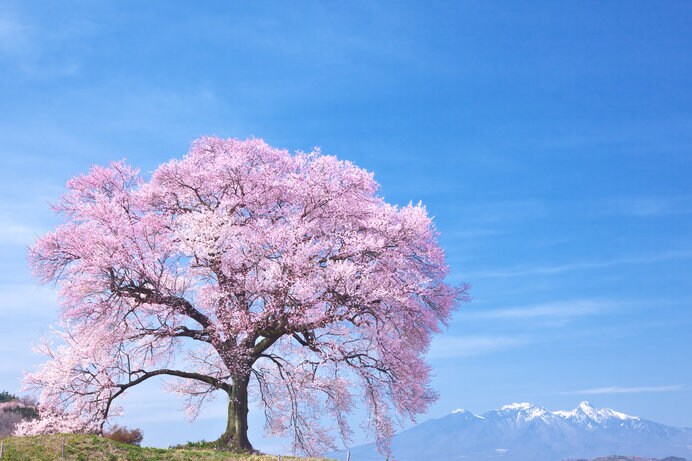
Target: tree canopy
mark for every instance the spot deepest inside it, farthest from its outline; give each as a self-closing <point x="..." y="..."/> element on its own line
<point x="242" y="268"/>
<point x="7" y="397"/>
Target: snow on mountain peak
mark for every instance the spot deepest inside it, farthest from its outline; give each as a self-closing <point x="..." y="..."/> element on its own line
<point x="461" y="411"/>
<point x="526" y="411"/>
<point x="527" y="432"/>
<point x="518" y="406"/>
<point x="585" y="411"/>
<point x="585" y="405"/>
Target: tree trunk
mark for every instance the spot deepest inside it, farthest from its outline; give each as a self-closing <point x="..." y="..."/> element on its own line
<point x="235" y="438"/>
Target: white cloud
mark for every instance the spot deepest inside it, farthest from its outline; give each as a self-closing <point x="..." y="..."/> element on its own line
<point x="644" y="207"/>
<point x="582" y="265"/>
<point x="36" y="49"/>
<point x="14" y="233"/>
<point x="445" y="347"/>
<point x="504" y="211"/>
<point x="24" y="210"/>
<point x="559" y="310"/>
<point x="27" y="299"/>
<point x="625" y="390"/>
<point x="14" y="35"/>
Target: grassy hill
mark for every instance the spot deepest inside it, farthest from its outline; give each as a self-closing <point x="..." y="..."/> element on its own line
<point x="94" y="448"/>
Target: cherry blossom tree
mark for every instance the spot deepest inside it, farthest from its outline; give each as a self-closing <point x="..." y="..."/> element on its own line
<point x="248" y="270"/>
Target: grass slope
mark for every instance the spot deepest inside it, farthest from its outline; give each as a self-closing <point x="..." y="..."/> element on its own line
<point x="94" y="448"/>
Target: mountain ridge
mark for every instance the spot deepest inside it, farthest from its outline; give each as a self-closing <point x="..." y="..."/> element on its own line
<point x="629" y="458"/>
<point x="528" y="432"/>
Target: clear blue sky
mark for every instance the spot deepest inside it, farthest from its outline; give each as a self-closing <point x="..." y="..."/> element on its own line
<point x="552" y="141"/>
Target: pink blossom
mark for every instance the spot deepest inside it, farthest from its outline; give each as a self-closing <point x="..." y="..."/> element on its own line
<point x="242" y="264"/>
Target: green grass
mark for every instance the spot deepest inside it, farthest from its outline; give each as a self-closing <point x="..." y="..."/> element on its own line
<point x="94" y="448"/>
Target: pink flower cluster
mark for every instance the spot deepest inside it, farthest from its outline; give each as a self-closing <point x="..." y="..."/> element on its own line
<point x="243" y="260"/>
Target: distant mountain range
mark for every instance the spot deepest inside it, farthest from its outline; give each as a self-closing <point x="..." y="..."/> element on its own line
<point x="526" y="432"/>
<point x="629" y="458"/>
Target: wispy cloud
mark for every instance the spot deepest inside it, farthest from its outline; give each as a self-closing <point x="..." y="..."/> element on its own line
<point x="24" y="209"/>
<point x="18" y="333"/>
<point x="37" y="49"/>
<point x="645" y="207"/>
<point x="446" y="347"/>
<point x="14" y="35"/>
<point x="505" y="211"/>
<point x="14" y="233"/>
<point x="625" y="390"/>
<point x="27" y="299"/>
<point x="555" y="310"/>
<point x="581" y="265"/>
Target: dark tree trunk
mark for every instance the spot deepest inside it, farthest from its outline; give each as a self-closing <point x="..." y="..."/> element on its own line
<point x="235" y="438"/>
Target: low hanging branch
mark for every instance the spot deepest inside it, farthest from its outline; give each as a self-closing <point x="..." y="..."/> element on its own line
<point x="143" y="376"/>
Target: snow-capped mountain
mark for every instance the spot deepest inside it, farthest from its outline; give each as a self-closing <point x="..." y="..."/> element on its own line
<point x="526" y="432"/>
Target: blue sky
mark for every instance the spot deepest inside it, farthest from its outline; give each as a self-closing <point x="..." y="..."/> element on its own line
<point x="552" y="141"/>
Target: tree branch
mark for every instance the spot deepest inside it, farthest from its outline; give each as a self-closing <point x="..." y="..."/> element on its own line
<point x="217" y="383"/>
<point x="263" y="345"/>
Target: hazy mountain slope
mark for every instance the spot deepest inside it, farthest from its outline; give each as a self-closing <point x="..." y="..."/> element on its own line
<point x="525" y="432"/>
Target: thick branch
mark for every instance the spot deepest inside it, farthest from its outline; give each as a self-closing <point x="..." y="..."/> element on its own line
<point x="183" y="306"/>
<point x="200" y="335"/>
<point x="180" y="374"/>
<point x="263" y="345"/>
<point x="145" y="294"/>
